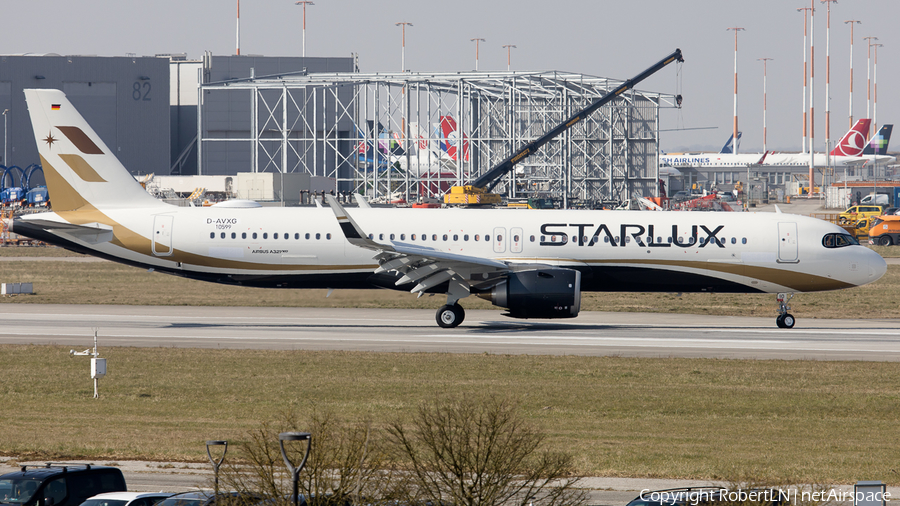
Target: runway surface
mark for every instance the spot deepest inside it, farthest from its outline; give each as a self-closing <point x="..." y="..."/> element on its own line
<point x="403" y="330"/>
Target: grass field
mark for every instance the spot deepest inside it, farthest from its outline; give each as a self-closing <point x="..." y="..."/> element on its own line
<point x="111" y="283"/>
<point x="831" y="422"/>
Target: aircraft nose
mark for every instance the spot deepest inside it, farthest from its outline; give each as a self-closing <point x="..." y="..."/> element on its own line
<point x="877" y="266"/>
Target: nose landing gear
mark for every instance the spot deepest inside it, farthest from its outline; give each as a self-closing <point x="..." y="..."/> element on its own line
<point x="785" y="320"/>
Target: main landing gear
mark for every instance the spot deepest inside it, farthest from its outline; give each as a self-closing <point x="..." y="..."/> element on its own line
<point x="785" y="320"/>
<point x="450" y="315"/>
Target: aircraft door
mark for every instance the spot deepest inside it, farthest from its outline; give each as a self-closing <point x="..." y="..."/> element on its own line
<point x="516" y="238"/>
<point x="787" y="243"/>
<point x="162" y="235"/>
<point x="499" y="240"/>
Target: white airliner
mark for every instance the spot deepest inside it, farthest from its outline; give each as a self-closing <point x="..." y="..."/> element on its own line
<point x="534" y="263"/>
<point x="847" y="152"/>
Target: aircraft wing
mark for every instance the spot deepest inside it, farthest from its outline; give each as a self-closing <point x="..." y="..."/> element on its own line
<point x="426" y="267"/>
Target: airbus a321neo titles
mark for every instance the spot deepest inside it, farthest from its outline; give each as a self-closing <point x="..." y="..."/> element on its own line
<point x="534" y="263"/>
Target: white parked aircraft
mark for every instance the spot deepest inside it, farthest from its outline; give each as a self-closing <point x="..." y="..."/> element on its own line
<point x="848" y="152"/>
<point x="535" y="263"/>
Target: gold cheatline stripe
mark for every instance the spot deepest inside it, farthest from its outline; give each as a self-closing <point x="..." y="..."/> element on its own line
<point x="798" y="281"/>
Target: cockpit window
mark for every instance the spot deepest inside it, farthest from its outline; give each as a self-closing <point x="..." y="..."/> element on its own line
<point x="839" y="240"/>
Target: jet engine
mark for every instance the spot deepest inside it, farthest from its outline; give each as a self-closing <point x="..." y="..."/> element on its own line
<point x="539" y="293"/>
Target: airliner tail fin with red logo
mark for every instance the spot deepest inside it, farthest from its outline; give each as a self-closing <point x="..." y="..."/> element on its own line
<point x="854" y="141"/>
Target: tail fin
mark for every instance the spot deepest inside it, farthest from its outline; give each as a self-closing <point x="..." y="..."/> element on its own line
<point x="727" y="147"/>
<point x="81" y="172"/>
<point x="878" y="144"/>
<point x="853" y="142"/>
<point x="451" y="137"/>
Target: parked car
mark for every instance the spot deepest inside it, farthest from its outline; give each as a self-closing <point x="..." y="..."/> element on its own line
<point x="126" y="499"/>
<point x="204" y="498"/>
<point x="58" y="484"/>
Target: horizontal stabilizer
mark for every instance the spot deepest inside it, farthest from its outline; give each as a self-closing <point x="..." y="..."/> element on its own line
<point x="91" y="233"/>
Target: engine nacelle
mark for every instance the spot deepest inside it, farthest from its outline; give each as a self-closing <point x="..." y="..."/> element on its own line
<point x="539" y="293"/>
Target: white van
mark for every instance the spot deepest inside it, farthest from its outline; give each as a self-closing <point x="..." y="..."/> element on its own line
<point x="875" y="199"/>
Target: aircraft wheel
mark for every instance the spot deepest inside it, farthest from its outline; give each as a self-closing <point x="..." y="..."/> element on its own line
<point x="884" y="241"/>
<point x="780" y="321"/>
<point x="788" y="321"/>
<point x="449" y="316"/>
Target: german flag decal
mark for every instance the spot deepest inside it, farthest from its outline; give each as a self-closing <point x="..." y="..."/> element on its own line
<point x="54" y="107"/>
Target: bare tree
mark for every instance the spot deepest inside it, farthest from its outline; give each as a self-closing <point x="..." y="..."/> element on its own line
<point x="346" y="464"/>
<point x="481" y="452"/>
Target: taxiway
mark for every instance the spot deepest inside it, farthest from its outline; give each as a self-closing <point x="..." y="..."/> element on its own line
<point x="405" y="330"/>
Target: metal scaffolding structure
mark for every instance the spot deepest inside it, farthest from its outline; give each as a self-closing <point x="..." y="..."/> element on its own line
<point x="434" y="130"/>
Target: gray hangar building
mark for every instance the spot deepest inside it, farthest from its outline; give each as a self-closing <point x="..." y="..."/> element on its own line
<point x="145" y="108"/>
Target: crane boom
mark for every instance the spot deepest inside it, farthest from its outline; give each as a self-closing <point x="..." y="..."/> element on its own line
<point x="490" y="178"/>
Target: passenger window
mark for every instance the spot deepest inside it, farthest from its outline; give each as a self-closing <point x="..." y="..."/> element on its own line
<point x="254" y="235"/>
<point x="488" y="238"/>
<point x="734" y="240"/>
<point x="402" y="237"/>
<point x="371" y="237"/>
<point x="243" y="235"/>
<point x="455" y="237"/>
<point x="477" y="236"/>
<point x="275" y="235"/>
<point x="605" y="238"/>
<point x="413" y="237"/>
<point x="380" y="237"/>
<point x="392" y="237"/>
<point x="307" y="235"/>
<point x="223" y="235"/>
<point x="543" y="238"/>
<point x="297" y="236"/>
<point x="287" y="235"/>
<point x="328" y="236"/>
<point x="212" y="235"/>
<point x="744" y="240"/>
<point x="265" y="235"/>
<point x="445" y="237"/>
<point x="515" y="238"/>
<point x="532" y="238"/>
<point x="424" y="237"/>
<point x="318" y="236"/>
<point x="233" y="235"/>
<point x="434" y="237"/>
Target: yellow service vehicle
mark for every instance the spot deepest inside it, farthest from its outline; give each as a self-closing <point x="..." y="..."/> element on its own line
<point x="885" y="230"/>
<point x="856" y="213"/>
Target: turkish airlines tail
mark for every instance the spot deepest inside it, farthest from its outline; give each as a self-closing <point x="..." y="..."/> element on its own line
<point x="854" y="141"/>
